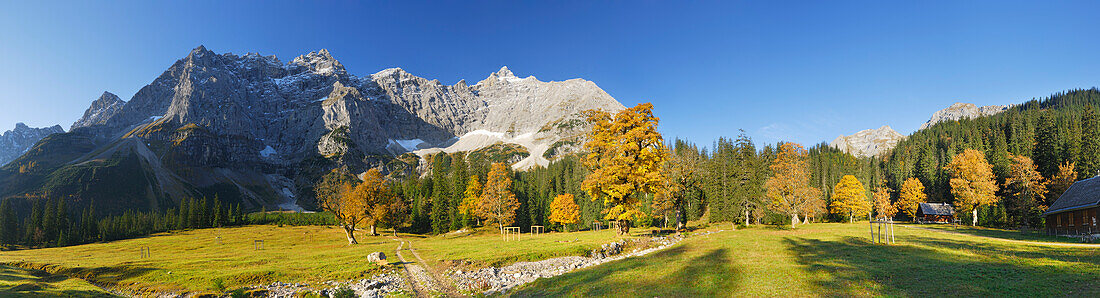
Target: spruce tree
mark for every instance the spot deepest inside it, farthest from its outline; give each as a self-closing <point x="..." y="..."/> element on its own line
<point x="184" y="219"/>
<point x="1046" y="146"/>
<point x="8" y="228"/>
<point x="1088" y="162"/>
<point x="49" y="222"/>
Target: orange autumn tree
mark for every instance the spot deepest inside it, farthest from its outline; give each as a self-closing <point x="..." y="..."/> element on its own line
<point x="849" y="198"/>
<point x="972" y="181"/>
<point x="912" y="194"/>
<point x="470" y="199"/>
<point x="564" y="210"/>
<point x="1067" y="174"/>
<point x="498" y="204"/>
<point x="625" y="154"/>
<point x="334" y="194"/>
<point x="789" y="187"/>
<point x="1025" y="188"/>
<point x="375" y="196"/>
<point x="883" y="208"/>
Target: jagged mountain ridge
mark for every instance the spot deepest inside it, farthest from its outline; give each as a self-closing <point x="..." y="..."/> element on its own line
<point x="868" y="142"/>
<point x="15" y="142"/>
<point x="961" y="110"/>
<point x="242" y="126"/>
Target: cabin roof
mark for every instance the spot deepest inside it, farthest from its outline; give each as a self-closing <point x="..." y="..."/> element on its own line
<point x="1081" y="194"/>
<point x="936" y="209"/>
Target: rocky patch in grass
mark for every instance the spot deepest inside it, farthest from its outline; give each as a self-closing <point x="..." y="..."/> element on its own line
<point x="377" y="286"/>
<point x="500" y="280"/>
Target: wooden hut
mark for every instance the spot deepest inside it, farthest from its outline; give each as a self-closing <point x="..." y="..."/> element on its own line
<point x="1074" y="213"/>
<point x="935" y="213"/>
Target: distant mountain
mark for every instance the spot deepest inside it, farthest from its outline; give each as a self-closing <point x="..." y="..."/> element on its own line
<point x="14" y="143"/>
<point x="253" y="130"/>
<point x="869" y="142"/>
<point x="961" y="110"/>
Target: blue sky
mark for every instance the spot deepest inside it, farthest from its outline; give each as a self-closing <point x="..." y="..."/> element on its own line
<point x="804" y="71"/>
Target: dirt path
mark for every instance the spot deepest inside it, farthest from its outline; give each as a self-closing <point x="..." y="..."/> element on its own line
<point x="1011" y="240"/>
<point x="423" y="282"/>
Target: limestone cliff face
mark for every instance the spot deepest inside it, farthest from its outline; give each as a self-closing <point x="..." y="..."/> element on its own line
<point x="869" y="142"/>
<point x="961" y="110"/>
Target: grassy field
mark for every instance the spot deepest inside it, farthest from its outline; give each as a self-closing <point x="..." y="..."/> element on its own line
<point x="838" y="260"/>
<point x="1034" y="236"/>
<point x="814" y="260"/>
<point x="21" y="282"/>
<point x="194" y="261"/>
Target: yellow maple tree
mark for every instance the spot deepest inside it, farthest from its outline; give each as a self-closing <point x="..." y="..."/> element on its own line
<point x="789" y="187"/>
<point x="498" y="204"/>
<point x="564" y="210"/>
<point x="849" y="198"/>
<point x="883" y="208"/>
<point x="972" y="182"/>
<point x="912" y="194"/>
<point x="625" y="154"/>
<point x="470" y="198"/>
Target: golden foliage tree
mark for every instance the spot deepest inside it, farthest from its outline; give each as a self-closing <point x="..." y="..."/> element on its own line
<point x="498" y="204"/>
<point x="625" y="154"/>
<point x="789" y="187"/>
<point x="1025" y="188"/>
<point x="564" y="210"/>
<point x="335" y="194"/>
<point x="470" y="198"/>
<point x="972" y="181"/>
<point x="883" y="208"/>
<point x="374" y="194"/>
<point x="912" y="194"/>
<point x="1067" y="174"/>
<point x="849" y="198"/>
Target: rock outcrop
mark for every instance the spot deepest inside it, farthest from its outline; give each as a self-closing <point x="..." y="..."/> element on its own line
<point x="868" y="142"/>
<point x="961" y="110"/>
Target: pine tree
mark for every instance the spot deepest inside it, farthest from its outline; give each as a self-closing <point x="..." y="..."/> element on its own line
<point x="219" y="215"/>
<point x="49" y="221"/>
<point x="184" y="219"/>
<point x="1046" y="146"/>
<point x="8" y="228"/>
<point x="1089" y="159"/>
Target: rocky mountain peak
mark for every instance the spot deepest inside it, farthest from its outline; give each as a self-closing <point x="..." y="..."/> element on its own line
<point x="15" y="142"/>
<point x="961" y="110"/>
<point x="320" y="62"/>
<point x="868" y="142"/>
<point x="107" y="105"/>
<point x="504" y="72"/>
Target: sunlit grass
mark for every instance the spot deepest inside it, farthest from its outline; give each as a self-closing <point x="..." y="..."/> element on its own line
<point x="838" y="260"/>
<point x="199" y="261"/>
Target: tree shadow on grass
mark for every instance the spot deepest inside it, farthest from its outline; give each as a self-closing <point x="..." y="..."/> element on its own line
<point x="705" y="275"/>
<point x="853" y="267"/>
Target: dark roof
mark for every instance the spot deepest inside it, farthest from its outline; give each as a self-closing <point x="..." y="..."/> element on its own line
<point x="936" y="209"/>
<point x="1084" y="193"/>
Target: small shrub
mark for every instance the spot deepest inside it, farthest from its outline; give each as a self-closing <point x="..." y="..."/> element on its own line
<point x="343" y="293"/>
<point x="218" y="284"/>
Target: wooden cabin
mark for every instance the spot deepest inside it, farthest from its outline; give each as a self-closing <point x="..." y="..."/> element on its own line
<point x="935" y="213"/>
<point x="1074" y="213"/>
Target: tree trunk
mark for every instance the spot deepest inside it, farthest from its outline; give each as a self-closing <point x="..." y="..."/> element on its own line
<point x="794" y="219"/>
<point x="501" y="227"/>
<point x="746" y="217"/>
<point x="975" y="222"/>
<point x="350" y="230"/>
<point x="395" y="232"/>
<point x="850" y="219"/>
<point x="373" y="230"/>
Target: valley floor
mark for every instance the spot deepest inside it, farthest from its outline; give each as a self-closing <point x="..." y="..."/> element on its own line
<point x="813" y="260"/>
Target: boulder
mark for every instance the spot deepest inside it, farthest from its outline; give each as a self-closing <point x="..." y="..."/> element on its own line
<point x="377" y="257"/>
